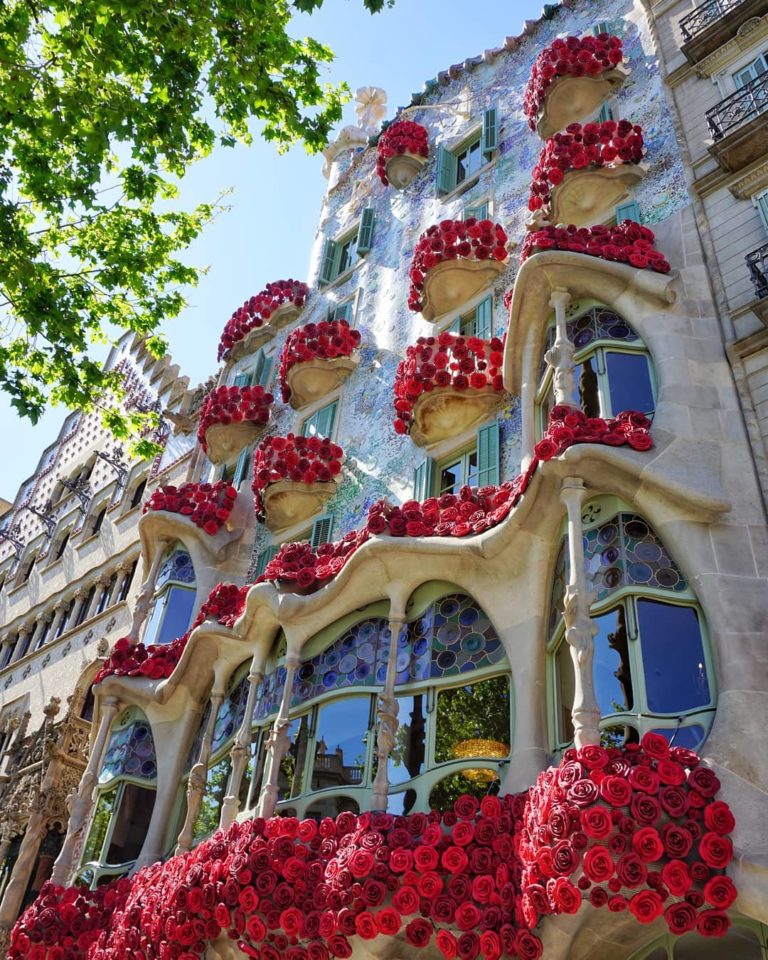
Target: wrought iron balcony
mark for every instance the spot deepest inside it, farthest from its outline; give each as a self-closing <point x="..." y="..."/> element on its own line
<point x="715" y="22"/>
<point x="757" y="261"/>
<point x="739" y="108"/>
<point x="704" y="16"/>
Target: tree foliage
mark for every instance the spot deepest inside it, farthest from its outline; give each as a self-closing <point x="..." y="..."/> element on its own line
<point x="103" y="106"/>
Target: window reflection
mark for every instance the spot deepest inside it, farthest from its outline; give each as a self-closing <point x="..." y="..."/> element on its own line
<point x="341" y="743"/>
<point x="473" y="721"/>
<point x="210" y="806"/>
<point x="629" y="382"/>
<point x="407" y="757"/>
<point x="672" y="635"/>
<point x="131" y="824"/>
<point x="610" y="667"/>
<point x="445" y="793"/>
<point x="468" y="162"/>
<point x="293" y="763"/>
<point x="331" y="807"/>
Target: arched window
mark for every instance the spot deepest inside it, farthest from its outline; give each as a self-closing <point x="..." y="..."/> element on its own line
<point x="138" y="493"/>
<point x="174" y="598"/>
<point x="745" y="940"/>
<point x="26" y="567"/>
<point x="613" y="368"/>
<point x="651" y="667"/>
<point x="125" y="799"/>
<point x="61" y="545"/>
<point x="454" y="731"/>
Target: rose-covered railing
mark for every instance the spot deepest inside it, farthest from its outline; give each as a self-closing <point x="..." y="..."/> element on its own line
<point x="401" y="152"/>
<point x="225" y="603"/>
<point x="437" y="376"/>
<point x="472" y="511"/>
<point x="629" y="242"/>
<point x="231" y="418"/>
<point x="281" y="300"/>
<point x="292" y="475"/>
<point x="208" y="505"/>
<point x="570" y="57"/>
<point x="452" y="261"/>
<point x="316" y="358"/>
<point x="635" y="829"/>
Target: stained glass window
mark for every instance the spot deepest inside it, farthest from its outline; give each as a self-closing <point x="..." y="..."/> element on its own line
<point x="131" y="751"/>
<point x="176" y="567"/>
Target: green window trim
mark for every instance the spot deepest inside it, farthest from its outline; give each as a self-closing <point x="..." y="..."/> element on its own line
<point x="446" y="171"/>
<point x="488" y="455"/>
<point x="330" y="254"/>
<point x="241" y="468"/>
<point x="490" y="131"/>
<point x="602" y="26"/>
<point x="761" y="202"/>
<point x="423" y="479"/>
<point x="365" y="230"/>
<point x="605" y="114"/>
<point x="478" y="322"/>
<point x="321" y="531"/>
<point x="321" y="422"/>
<point x="480" y="211"/>
<point x="628" y="211"/>
<point x="344" y="311"/>
<point x="263" y="559"/>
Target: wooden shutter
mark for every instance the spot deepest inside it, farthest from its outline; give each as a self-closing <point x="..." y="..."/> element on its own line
<point x="479" y="211"/>
<point x="488" y="455"/>
<point x="628" y="211"/>
<point x="343" y="312"/>
<point x="483" y="314"/>
<point x="455" y="327"/>
<point x="263" y="369"/>
<point x="761" y="203"/>
<point x="365" y="231"/>
<point x="446" y="171"/>
<point x="243" y="380"/>
<point x="329" y="261"/>
<point x="241" y="469"/>
<point x="605" y="113"/>
<point x="321" y="531"/>
<point x="602" y="26"/>
<point x="267" y="554"/>
<point x="422" y="479"/>
<point x="490" y="131"/>
<point x="322" y="421"/>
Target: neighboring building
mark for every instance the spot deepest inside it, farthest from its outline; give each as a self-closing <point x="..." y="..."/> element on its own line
<point x="69" y="552"/>
<point x="540" y="526"/>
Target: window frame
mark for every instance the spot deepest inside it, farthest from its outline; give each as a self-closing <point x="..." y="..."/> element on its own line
<point x="461" y="456"/>
<point x="325" y="405"/>
<point x="331" y="271"/>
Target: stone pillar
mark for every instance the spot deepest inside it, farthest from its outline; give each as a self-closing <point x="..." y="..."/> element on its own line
<point x="33" y="836"/>
<point x="80" y="595"/>
<point x="560" y="354"/>
<point x="277" y="745"/>
<point x="59" y="609"/>
<point x="579" y="629"/>
<point x="241" y="747"/>
<point x="144" y="599"/>
<point x="81" y="803"/>
<point x="387" y="719"/>
<point x="197" y="777"/>
<point x="123" y="572"/>
<point x="22" y="644"/>
<point x="6" y="650"/>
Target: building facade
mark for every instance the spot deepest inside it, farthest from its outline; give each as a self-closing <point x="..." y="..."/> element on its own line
<point x="452" y="641"/>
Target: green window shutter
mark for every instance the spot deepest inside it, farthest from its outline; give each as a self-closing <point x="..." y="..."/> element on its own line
<point x="267" y="554"/>
<point x="628" y="211"/>
<point x="343" y="312"/>
<point x="243" y="380"/>
<point x="762" y="208"/>
<point x="241" y="469"/>
<point x="321" y="531"/>
<point x="455" y="327"/>
<point x="602" y="26"/>
<point x="446" y="171"/>
<point x="483" y="313"/>
<point x="605" y="113"/>
<point x="329" y="261"/>
<point x="322" y="421"/>
<point x="263" y="371"/>
<point x="490" y="131"/>
<point x="365" y="232"/>
<point x="488" y="455"/>
<point x="422" y="479"/>
<point x="479" y="211"/>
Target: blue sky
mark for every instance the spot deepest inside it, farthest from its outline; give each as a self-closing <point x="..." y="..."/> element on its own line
<point x="267" y="234"/>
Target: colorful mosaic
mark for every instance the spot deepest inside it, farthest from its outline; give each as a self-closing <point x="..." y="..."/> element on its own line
<point x="177" y="568"/>
<point x="131" y="752"/>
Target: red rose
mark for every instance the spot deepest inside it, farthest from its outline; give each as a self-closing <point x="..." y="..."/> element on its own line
<point x="715" y="850"/>
<point x="704" y="780"/>
<point x="528" y="945"/>
<point x="631" y="870"/>
<point x="677" y="841"/>
<point x="647" y="844"/>
<point x="680" y="917"/>
<point x="339" y="946"/>
<point x="598" y="864"/>
<point x="616" y="791"/>
<point x="713" y="923"/>
<point x="720" y="892"/>
<point x="646" y="906"/>
<point x="447" y="944"/>
<point x="565" y="896"/>
<point x="454" y="860"/>
<point x="419" y="932"/>
<point x="405" y="900"/>
<point x="718" y="817"/>
<point x="676" y="876"/>
<point x="388" y="921"/>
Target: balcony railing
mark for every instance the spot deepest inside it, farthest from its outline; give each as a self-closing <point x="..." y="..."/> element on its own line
<point x="757" y="261"/>
<point x="705" y="15"/>
<point x="739" y="108"/>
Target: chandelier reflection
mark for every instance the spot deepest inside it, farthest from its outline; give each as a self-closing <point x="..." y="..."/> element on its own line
<point x="479" y="747"/>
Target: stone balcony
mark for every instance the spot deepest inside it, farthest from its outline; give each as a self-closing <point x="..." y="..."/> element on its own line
<point x="711" y="24"/>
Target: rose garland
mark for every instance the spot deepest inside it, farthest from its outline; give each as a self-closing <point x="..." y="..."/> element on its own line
<point x="401" y="137"/>
<point x="632" y="828"/>
<point x="326" y="340"/>
<point x="225" y="603"/>
<point x="257" y="311"/>
<point x="449" y="360"/>
<point x="469" y="239"/>
<point x="225" y="405"/>
<point x="568" y="426"/>
<point x="610" y="143"/>
<point x="629" y="242"/>
<point x="295" y="458"/>
<point x="208" y="505"/>
<point x="571" y="56"/>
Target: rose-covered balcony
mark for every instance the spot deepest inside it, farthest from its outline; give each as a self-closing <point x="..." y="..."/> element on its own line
<point x="249" y="326"/>
<point x="632" y="838"/>
<point x="316" y="359"/>
<point x="231" y="418"/>
<point x="401" y="152"/>
<point x="571" y="79"/>
<point x="447" y="385"/>
<point x="583" y="173"/>
<point x="294" y="477"/>
<point x="453" y="261"/>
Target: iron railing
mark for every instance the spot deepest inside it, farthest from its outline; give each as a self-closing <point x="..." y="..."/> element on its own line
<point x="705" y="15"/>
<point x="757" y="261"/>
<point x="748" y="102"/>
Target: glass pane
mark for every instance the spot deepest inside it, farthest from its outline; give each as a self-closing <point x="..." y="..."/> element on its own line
<point x="131" y="750"/>
<point x="406" y="759"/>
<point x="617" y="734"/>
<point x="475" y="782"/>
<point x="565" y="691"/>
<point x="610" y="667"/>
<point x="99" y="824"/>
<point x="331" y="807"/>
<point x="178" y="615"/>
<point x="292" y="765"/>
<point x="155" y="616"/>
<point x="471" y="467"/>
<point x="673" y="657"/>
<point x="739" y="943"/>
<point x="131" y="825"/>
<point x="210" y="806"/>
<point x="473" y="721"/>
<point x="451" y="477"/>
<point x="401" y="803"/>
<point x="340" y="743"/>
<point x="629" y="382"/>
<point x="348" y="254"/>
<point x="689" y="737"/>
